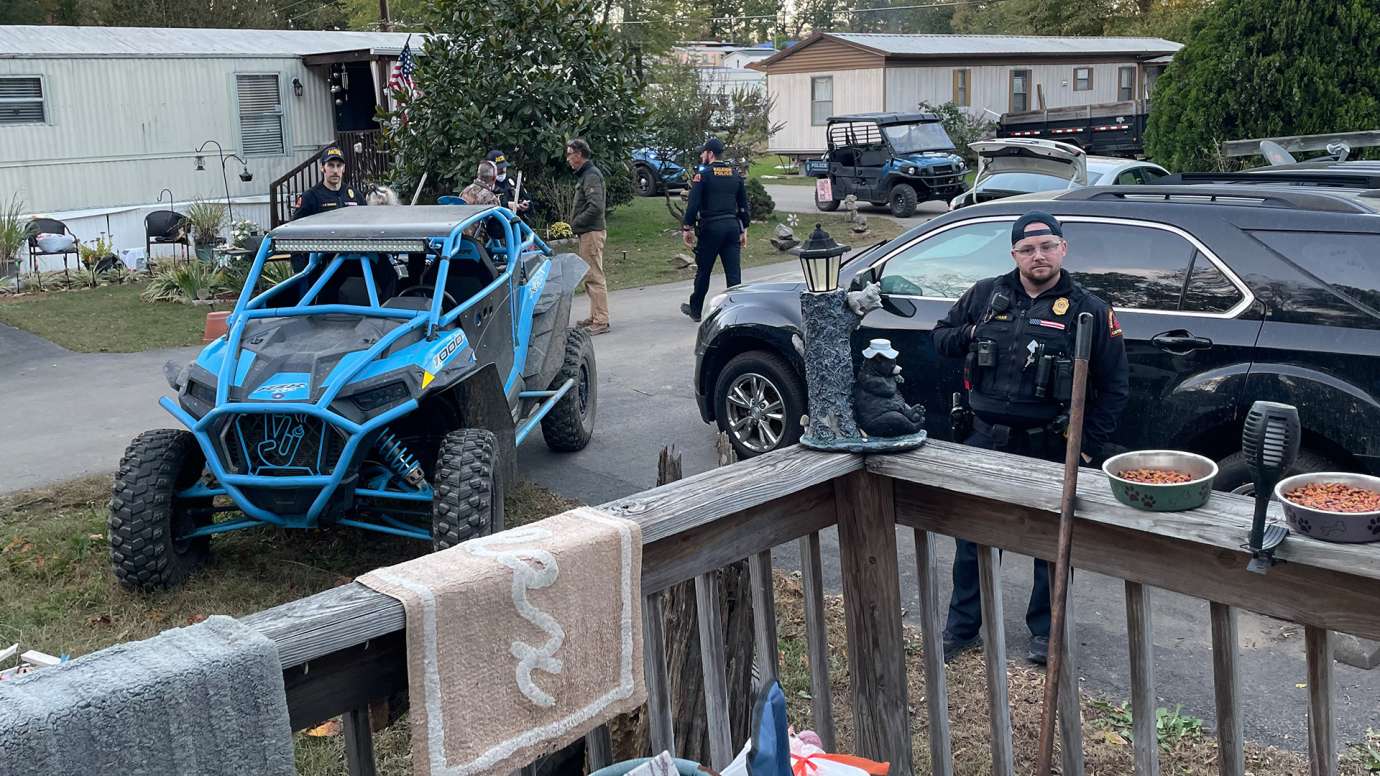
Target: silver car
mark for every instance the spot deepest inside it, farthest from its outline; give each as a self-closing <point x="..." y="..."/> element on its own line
<point x="1011" y="166"/>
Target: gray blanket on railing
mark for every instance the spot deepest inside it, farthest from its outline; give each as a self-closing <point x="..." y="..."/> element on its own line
<point x="206" y="700"/>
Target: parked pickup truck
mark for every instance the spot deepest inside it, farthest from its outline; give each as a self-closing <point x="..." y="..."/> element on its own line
<point x="1106" y="129"/>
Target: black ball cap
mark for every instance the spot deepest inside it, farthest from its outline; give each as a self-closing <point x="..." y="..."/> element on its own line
<point x="498" y="158"/>
<point x="332" y="153"/>
<point x="1048" y="225"/>
<point x="713" y="145"/>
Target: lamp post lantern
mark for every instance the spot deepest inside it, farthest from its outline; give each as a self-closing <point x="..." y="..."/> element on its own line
<point x="245" y="174"/>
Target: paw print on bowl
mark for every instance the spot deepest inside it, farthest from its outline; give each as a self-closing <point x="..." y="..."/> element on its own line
<point x="1305" y="525"/>
<point x="1374" y="526"/>
<point x="1148" y="500"/>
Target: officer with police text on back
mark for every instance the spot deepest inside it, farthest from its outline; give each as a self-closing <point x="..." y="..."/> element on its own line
<point x="1015" y="334"/>
<point x="718" y="213"/>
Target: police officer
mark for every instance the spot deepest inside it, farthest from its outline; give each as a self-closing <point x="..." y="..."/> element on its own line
<point x="504" y="186"/>
<point x="1016" y="335"/>
<point x="329" y="194"/>
<point x="718" y="213"/>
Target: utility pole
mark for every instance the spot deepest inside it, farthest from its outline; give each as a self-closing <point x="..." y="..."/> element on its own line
<point x="385" y="22"/>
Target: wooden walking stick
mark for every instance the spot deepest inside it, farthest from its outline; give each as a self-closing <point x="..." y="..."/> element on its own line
<point x="1059" y="596"/>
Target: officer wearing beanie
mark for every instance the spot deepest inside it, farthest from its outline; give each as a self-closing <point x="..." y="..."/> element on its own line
<point x="1015" y="334"/>
<point x="718" y="213"/>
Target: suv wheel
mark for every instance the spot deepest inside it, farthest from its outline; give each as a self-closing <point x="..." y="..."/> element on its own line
<point x="468" y="500"/>
<point x="758" y="401"/>
<point x="1234" y="476"/>
<point x="146" y="515"/>
<point x="646" y="183"/>
<point x="902" y="200"/>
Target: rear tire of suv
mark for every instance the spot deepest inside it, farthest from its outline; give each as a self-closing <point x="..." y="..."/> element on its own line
<point x="768" y="402"/>
<point x="1233" y="476"/>
<point x="902" y="200"/>
<point x="145" y="512"/>
<point x="646" y="182"/>
<point x="827" y="207"/>
<point x="468" y="493"/>
<point x="570" y="424"/>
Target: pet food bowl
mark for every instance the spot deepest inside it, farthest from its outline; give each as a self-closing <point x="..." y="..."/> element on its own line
<point x="1171" y="497"/>
<point x="1347" y="527"/>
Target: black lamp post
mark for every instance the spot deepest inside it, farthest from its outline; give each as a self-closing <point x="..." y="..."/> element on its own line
<point x="820" y="258"/>
<point x="245" y="174"/>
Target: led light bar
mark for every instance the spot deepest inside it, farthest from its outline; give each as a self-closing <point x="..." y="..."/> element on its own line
<point x="350" y="246"/>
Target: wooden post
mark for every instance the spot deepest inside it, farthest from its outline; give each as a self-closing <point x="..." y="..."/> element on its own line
<point x="1138" y="630"/>
<point x="598" y="748"/>
<point x="1070" y="705"/>
<point x="817" y="638"/>
<point x="661" y="727"/>
<point x="1322" y="738"/>
<point x="359" y="742"/>
<point x="1226" y="676"/>
<point x="932" y="632"/>
<point x="764" y="615"/>
<point x="714" y="664"/>
<point x="994" y="651"/>
<point x="872" y="597"/>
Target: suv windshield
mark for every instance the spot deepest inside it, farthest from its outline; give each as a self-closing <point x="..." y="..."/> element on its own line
<point x="914" y="138"/>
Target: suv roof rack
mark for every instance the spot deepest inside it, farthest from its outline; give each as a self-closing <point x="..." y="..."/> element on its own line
<point x="1225" y="195"/>
<point x="1333" y="178"/>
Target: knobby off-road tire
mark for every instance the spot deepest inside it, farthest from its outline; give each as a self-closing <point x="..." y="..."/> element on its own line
<point x="902" y="200"/>
<point x="468" y="493"/>
<point x="145" y="513"/>
<point x="646" y="182"/>
<point x="569" y="425"/>
<point x="827" y="207"/>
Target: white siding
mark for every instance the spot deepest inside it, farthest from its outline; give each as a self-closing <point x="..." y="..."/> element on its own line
<point x="855" y="91"/>
<point x="120" y="130"/>
<point x="990" y="85"/>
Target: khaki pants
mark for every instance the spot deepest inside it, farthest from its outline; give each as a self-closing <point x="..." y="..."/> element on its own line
<point x="596" y="285"/>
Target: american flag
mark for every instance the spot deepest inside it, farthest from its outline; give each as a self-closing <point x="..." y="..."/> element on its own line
<point x="401" y="77"/>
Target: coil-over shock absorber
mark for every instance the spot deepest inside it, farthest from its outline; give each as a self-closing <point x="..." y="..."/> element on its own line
<point x="395" y="454"/>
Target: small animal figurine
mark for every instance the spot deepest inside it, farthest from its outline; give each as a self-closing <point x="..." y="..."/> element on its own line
<point x="877" y="402"/>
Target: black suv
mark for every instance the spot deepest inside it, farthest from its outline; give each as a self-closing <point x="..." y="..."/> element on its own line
<point x="1227" y="294"/>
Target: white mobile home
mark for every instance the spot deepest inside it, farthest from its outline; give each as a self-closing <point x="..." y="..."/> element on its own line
<point x="839" y="73"/>
<point x="95" y="122"/>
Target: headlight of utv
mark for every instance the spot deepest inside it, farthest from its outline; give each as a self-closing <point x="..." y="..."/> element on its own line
<point x="910" y="171"/>
<point x="372" y="399"/>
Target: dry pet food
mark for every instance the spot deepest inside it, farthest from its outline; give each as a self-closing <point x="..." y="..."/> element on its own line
<point x="1335" y="497"/>
<point x="1155" y="476"/>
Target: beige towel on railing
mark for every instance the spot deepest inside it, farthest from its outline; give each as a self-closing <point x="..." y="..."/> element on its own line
<point x="520" y="642"/>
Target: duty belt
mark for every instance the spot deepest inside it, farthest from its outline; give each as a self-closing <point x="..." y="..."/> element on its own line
<point x="1003" y="436"/>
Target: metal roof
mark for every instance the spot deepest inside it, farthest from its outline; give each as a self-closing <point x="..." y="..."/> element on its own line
<point x="1006" y="45"/>
<point x="46" y="42"/>
<point x="885" y="119"/>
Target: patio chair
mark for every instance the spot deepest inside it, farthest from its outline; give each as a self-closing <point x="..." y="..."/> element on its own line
<point x="166" y="227"/>
<point x="50" y="226"/>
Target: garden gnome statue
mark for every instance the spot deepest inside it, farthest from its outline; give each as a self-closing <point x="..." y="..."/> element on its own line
<point x="877" y="402"/>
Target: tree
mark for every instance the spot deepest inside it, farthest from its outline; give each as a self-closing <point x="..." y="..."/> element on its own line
<point x="524" y="76"/>
<point x="1262" y="68"/>
<point x="901" y="17"/>
<point x="1038" y="17"/>
<point x="1173" y="20"/>
<point x="962" y="126"/>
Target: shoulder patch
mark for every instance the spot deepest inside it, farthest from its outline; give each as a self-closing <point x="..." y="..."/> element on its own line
<point x="724" y="171"/>
<point x="697" y="178"/>
<point x="297" y="203"/>
<point x="1113" y="326"/>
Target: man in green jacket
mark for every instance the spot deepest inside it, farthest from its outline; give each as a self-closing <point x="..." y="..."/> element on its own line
<point x="588" y="225"/>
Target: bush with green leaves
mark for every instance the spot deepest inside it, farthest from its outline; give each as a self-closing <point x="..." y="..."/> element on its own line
<point x="14" y="230"/>
<point x="523" y="76"/>
<point x="187" y="282"/>
<point x="962" y="126"/>
<point x="760" y="203"/>
<point x="206" y="220"/>
<point x="1267" y="68"/>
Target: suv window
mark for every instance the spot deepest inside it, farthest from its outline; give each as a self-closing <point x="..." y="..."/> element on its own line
<point x="1348" y="262"/>
<point x="1208" y="290"/>
<point x="1132" y="267"/>
<point x="949" y="263"/>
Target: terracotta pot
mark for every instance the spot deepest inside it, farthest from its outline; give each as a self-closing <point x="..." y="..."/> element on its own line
<point x="216" y="326"/>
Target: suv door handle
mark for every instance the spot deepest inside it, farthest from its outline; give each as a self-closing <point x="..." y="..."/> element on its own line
<point x="1180" y="342"/>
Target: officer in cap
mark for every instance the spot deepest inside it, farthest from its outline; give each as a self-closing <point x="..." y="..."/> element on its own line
<point x="331" y="193"/>
<point x="718" y="213"/>
<point x="503" y="185"/>
<point x="1016" y="333"/>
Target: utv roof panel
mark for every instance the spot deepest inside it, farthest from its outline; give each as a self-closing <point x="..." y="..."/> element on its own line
<point x="380" y="223"/>
<point x="885" y="119"/>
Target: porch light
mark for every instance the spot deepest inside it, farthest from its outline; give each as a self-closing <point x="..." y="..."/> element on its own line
<point x="820" y="258"/>
<point x="297" y="87"/>
<point x="200" y="163"/>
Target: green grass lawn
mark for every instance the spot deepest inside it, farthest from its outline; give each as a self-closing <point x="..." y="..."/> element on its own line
<point x="643" y="237"/>
<point x="112" y="319"/>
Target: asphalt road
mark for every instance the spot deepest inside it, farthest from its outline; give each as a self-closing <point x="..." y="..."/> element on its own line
<point x="67" y="414"/>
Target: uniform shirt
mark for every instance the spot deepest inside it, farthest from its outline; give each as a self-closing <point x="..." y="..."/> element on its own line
<point x="717" y="192"/>
<point x="1005" y="394"/>
<point x="319" y="199"/>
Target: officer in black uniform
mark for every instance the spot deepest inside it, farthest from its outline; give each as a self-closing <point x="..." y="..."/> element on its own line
<point x="1016" y="335"/>
<point x="331" y="193"/>
<point x="504" y="186"/>
<point x="718" y="213"/>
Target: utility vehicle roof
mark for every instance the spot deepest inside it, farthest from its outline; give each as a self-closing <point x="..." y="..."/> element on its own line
<point x="379" y="223"/>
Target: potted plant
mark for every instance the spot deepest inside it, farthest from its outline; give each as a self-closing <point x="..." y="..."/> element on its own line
<point x="97" y="259"/>
<point x="205" y="219"/>
<point x="246" y="235"/>
<point x="14" y="230"/>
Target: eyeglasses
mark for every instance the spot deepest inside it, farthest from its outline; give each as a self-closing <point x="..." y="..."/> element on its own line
<point x="1046" y="247"/>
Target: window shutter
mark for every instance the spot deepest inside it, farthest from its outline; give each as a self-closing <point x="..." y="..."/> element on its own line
<point x="261" y="115"/>
<point x="21" y="101"/>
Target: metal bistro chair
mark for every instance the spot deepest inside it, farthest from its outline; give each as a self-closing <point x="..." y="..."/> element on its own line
<point x="166" y="227"/>
<point x="50" y="226"/>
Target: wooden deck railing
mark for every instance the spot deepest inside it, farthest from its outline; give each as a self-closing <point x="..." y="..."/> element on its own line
<point x="352" y="640"/>
<point x="370" y="163"/>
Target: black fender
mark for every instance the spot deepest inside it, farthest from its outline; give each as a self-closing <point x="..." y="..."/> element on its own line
<point x="772" y="325"/>
<point x="1342" y="415"/>
<point x="481" y="403"/>
<point x="1204" y="410"/>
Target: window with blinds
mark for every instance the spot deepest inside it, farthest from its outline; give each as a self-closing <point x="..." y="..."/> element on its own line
<point x="21" y="100"/>
<point x="261" y="115"/>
